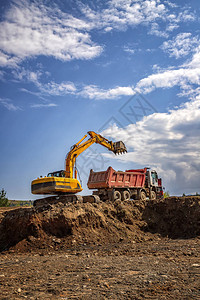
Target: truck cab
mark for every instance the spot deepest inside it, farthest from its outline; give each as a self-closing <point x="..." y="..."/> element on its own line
<point x="154" y="184"/>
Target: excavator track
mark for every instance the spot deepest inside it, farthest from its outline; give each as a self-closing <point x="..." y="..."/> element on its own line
<point x="71" y="198"/>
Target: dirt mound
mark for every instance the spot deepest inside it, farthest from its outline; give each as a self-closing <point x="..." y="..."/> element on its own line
<point x="61" y="226"/>
<point x="64" y="225"/>
<point x="175" y="217"/>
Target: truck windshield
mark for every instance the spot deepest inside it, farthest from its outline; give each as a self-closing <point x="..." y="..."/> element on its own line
<point x="154" y="176"/>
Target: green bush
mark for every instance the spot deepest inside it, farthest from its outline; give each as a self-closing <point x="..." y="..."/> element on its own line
<point x="166" y="194"/>
<point x="3" y="199"/>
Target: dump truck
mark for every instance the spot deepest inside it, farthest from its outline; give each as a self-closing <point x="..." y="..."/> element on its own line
<point x="131" y="184"/>
<point x="64" y="183"/>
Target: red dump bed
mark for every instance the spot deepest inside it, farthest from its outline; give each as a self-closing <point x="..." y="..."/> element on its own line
<point x="116" y="179"/>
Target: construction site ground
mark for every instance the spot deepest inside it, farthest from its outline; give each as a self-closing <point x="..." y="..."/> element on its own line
<point x="122" y="250"/>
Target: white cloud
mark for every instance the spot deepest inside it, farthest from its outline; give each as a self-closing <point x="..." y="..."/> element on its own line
<point x="68" y="87"/>
<point x="128" y="13"/>
<point x="121" y="14"/>
<point x="50" y="88"/>
<point x="129" y="49"/>
<point x="186" y="76"/>
<point x="171" y="4"/>
<point x="171" y="27"/>
<point x="168" y="142"/>
<point x="93" y="92"/>
<point x="186" y="16"/>
<point x="156" y="31"/>
<point x="7" y="103"/>
<point x="56" y="89"/>
<point x="181" y="45"/>
<point x="31" y="29"/>
<point x="7" y="60"/>
<point x="42" y="105"/>
<point x="23" y="74"/>
<point x="168" y="79"/>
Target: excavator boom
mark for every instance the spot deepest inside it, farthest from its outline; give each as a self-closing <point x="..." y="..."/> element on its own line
<point x="66" y="182"/>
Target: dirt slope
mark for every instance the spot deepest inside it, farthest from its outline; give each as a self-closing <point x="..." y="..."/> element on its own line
<point x="61" y="226"/>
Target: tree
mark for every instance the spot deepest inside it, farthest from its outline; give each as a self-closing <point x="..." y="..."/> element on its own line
<point x="3" y="198"/>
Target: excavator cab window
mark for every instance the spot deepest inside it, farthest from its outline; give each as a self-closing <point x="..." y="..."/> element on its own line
<point x="57" y="174"/>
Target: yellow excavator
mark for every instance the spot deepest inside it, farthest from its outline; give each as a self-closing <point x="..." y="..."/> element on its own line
<point x="65" y="181"/>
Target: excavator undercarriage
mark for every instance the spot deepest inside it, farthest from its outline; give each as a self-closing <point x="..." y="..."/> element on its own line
<point x="69" y="198"/>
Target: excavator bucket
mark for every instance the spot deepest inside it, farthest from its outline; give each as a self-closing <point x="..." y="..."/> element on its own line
<point x="119" y="147"/>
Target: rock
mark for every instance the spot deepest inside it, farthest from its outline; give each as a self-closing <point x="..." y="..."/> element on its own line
<point x="57" y="241"/>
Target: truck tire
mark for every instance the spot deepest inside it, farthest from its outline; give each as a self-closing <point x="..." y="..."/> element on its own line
<point x="126" y="195"/>
<point x="143" y="195"/>
<point x="117" y="195"/>
<point x="153" y="195"/>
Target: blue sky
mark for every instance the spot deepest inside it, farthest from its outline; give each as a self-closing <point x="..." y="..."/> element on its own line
<point x="127" y="69"/>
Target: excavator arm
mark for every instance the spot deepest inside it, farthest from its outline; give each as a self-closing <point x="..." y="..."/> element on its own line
<point x="78" y="148"/>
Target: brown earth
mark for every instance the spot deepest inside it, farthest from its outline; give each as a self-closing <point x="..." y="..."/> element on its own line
<point x="121" y="250"/>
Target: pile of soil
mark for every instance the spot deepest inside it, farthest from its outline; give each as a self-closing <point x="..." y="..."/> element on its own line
<point x="61" y="226"/>
<point x="175" y="217"/>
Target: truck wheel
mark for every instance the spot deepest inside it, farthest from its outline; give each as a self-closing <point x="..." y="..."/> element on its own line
<point x="143" y="195"/>
<point x="126" y="195"/>
<point x="116" y="195"/>
<point x="153" y="195"/>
